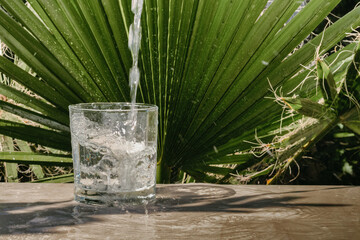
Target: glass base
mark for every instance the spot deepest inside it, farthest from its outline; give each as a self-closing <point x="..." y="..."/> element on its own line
<point x="115" y="199"/>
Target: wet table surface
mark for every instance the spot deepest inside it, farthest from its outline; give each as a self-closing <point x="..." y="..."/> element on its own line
<point x="192" y="211"/>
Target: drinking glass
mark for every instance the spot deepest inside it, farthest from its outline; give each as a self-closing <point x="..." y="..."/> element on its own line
<point x="114" y="148"/>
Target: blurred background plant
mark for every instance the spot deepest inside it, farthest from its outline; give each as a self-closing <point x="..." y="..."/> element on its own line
<point x="218" y="70"/>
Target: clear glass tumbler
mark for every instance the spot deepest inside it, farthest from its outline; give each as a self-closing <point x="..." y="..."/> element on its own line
<point x="114" y="152"/>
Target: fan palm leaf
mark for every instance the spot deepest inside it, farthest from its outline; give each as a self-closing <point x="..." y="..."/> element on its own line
<point x="208" y="65"/>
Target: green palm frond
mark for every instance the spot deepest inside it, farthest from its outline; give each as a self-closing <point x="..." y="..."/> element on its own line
<point x="208" y="65"/>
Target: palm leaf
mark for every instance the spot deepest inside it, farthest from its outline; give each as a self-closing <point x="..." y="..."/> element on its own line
<point x="206" y="64"/>
<point x="65" y="178"/>
<point x="34" y="158"/>
<point x="26" y="149"/>
<point x="45" y="137"/>
<point x="11" y="172"/>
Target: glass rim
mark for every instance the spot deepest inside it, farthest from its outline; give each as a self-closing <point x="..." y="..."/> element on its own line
<point x="119" y="107"/>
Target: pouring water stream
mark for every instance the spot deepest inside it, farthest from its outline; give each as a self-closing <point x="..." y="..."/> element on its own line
<point x="134" y="46"/>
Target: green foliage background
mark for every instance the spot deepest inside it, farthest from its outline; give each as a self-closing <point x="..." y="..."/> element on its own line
<point x="214" y="68"/>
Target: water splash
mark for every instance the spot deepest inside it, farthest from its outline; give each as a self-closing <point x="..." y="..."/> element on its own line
<point x="134" y="46"/>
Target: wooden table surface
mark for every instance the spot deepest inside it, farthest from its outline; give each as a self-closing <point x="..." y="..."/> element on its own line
<point x="192" y="211"/>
